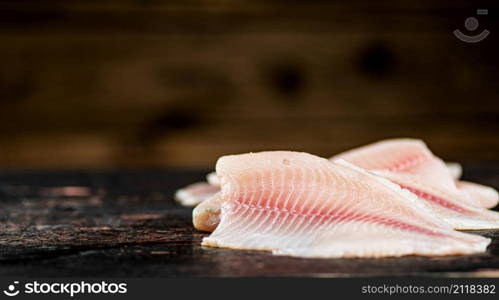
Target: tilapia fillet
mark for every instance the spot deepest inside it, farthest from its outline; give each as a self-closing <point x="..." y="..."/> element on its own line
<point x="298" y="204"/>
<point x="410" y="164"/>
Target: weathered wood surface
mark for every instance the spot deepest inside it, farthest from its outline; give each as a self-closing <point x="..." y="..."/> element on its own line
<point x="127" y="224"/>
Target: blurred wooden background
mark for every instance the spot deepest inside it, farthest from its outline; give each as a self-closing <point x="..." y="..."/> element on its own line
<point x="98" y="84"/>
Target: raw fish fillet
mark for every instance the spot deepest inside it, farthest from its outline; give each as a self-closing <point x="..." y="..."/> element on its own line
<point x="417" y="167"/>
<point x="195" y="193"/>
<point x="420" y="171"/>
<point x="410" y="164"/>
<point x="298" y="204"/>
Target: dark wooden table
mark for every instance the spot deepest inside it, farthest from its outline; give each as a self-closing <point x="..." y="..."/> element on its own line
<point x="125" y="223"/>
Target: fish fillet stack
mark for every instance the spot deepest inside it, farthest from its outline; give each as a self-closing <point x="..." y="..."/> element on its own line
<point x="391" y="198"/>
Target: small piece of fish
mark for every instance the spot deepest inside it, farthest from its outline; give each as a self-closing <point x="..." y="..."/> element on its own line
<point x="298" y="204"/>
<point x="206" y="215"/>
<point x="213" y="179"/>
<point x="195" y="193"/>
<point x="486" y="196"/>
<point x="455" y="169"/>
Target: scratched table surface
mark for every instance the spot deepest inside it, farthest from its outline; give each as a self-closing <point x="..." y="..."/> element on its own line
<point x="126" y="224"/>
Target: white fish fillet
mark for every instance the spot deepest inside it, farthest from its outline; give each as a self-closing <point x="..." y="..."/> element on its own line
<point x="426" y="174"/>
<point x="410" y="164"/>
<point x="419" y="170"/>
<point x="301" y="205"/>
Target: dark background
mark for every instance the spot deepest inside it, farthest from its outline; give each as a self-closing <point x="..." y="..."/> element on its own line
<point x="103" y="84"/>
